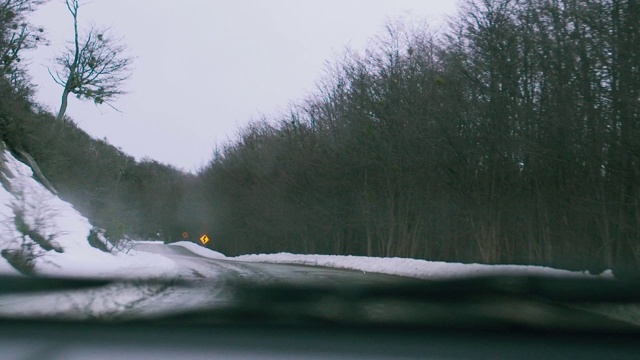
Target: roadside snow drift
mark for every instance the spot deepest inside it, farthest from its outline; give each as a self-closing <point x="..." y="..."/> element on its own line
<point x="199" y="250"/>
<point x="422" y="269"/>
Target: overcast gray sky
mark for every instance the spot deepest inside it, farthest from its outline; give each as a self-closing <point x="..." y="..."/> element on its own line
<point x="204" y="68"/>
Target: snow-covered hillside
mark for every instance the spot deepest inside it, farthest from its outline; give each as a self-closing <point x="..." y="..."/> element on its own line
<point x="37" y="225"/>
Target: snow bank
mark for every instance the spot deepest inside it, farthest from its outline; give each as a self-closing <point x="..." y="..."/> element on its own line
<point x="422" y="269"/>
<point x="62" y="225"/>
<point x="199" y="250"/>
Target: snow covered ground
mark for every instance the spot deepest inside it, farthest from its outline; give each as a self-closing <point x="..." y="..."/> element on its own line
<point x="199" y="250"/>
<point x="422" y="269"/>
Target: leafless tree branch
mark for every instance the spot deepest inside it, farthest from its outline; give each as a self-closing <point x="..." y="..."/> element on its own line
<point x="93" y="67"/>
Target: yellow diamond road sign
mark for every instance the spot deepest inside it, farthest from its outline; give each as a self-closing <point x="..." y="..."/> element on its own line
<point x="204" y="239"/>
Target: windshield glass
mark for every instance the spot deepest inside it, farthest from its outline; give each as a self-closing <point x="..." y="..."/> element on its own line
<point x="470" y="164"/>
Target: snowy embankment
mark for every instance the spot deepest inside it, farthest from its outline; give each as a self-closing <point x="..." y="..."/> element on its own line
<point x="201" y="251"/>
<point x="421" y="269"/>
<point x="51" y="238"/>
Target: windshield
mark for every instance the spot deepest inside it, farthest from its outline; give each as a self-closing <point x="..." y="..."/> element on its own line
<point x="413" y="164"/>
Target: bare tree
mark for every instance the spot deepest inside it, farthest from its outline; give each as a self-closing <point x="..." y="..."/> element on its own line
<point x="92" y="67"/>
<point x="16" y="35"/>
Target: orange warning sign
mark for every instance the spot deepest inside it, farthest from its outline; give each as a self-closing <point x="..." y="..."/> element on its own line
<point x="185" y="235"/>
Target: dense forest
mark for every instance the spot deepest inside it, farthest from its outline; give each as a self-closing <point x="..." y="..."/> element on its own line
<point x="510" y="135"/>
